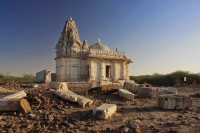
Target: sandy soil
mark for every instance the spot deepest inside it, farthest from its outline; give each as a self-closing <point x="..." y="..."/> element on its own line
<point x="53" y="114"/>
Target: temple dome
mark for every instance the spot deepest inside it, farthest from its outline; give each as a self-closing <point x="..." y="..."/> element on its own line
<point x="99" y="46"/>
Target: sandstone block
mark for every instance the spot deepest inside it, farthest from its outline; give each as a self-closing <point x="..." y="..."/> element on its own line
<point x="131" y="86"/>
<point x="43" y="76"/>
<point x="73" y="97"/>
<point x="174" y="102"/>
<point x="149" y="92"/>
<point x="58" y="85"/>
<point x="104" y="111"/>
<point x="126" y="94"/>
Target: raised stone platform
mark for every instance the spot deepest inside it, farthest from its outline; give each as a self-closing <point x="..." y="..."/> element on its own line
<point x="126" y="94"/>
<point x="171" y="101"/>
<point x="149" y="92"/>
<point x="104" y="111"/>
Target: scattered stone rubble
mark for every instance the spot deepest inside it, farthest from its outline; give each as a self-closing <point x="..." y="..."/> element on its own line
<point x="126" y="94"/>
<point x="104" y="111"/>
<point x="174" y="101"/>
<point x="49" y="113"/>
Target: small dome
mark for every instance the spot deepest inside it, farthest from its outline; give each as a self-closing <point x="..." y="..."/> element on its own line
<point x="99" y="46"/>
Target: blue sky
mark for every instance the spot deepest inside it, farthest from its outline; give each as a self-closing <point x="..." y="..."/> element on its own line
<point x="159" y="36"/>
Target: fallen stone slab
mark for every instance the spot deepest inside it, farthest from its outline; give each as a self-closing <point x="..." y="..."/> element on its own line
<point x="126" y="94"/>
<point x="58" y="85"/>
<point x="15" y="105"/>
<point x="171" y="101"/>
<point x="150" y="92"/>
<point x="15" y="95"/>
<point x="131" y="86"/>
<point x="32" y="85"/>
<point x="104" y="111"/>
<point x="73" y="97"/>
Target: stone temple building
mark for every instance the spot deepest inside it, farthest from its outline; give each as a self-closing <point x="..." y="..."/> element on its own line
<point x="78" y="62"/>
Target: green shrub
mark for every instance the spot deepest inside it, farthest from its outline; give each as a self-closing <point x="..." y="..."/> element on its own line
<point x="17" y="79"/>
<point x="171" y="79"/>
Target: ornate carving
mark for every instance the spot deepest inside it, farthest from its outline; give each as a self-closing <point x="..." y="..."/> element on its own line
<point x="69" y="38"/>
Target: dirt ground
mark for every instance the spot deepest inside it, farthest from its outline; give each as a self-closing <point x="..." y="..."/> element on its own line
<point x="53" y="114"/>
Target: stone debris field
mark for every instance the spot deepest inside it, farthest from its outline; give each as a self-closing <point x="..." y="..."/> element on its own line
<point x="75" y="108"/>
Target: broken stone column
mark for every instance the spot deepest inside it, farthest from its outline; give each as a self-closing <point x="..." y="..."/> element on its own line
<point x="171" y="101"/>
<point x="149" y="92"/>
<point x="104" y="111"/>
<point x="15" y="95"/>
<point x="58" y="85"/>
<point x="131" y="86"/>
<point x="15" y="105"/>
<point x="73" y="97"/>
<point x="126" y="94"/>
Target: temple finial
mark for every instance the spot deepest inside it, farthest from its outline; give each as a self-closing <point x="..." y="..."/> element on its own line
<point x="98" y="40"/>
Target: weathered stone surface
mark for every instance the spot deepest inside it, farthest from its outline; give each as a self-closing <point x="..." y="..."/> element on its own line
<point x="15" y="95"/>
<point x="32" y="85"/>
<point x="15" y="105"/>
<point x="131" y="86"/>
<point x="172" y="90"/>
<point x="43" y="76"/>
<point x="58" y="85"/>
<point x="174" y="101"/>
<point x="104" y="111"/>
<point x="148" y="92"/>
<point x="73" y="97"/>
<point x="134" y="125"/>
<point x="126" y="94"/>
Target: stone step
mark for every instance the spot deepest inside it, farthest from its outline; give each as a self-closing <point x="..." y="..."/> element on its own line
<point x="150" y="92"/>
<point x="126" y="94"/>
<point x="73" y="97"/>
<point x="171" y="101"/>
<point x="104" y="111"/>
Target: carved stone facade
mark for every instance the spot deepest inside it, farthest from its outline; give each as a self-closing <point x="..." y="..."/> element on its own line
<point x="76" y="61"/>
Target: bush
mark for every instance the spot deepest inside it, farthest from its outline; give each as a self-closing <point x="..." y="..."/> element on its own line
<point x="171" y="79"/>
<point x="17" y="79"/>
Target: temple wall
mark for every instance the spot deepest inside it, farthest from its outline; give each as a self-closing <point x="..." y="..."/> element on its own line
<point x="98" y="69"/>
<point x="71" y="69"/>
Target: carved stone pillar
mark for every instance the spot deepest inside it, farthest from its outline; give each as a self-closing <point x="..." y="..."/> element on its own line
<point x="102" y="70"/>
<point x="124" y="70"/>
<point x="115" y="71"/>
<point x="91" y="70"/>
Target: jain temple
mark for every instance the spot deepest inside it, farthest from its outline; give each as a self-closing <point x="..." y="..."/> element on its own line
<point x="76" y="61"/>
